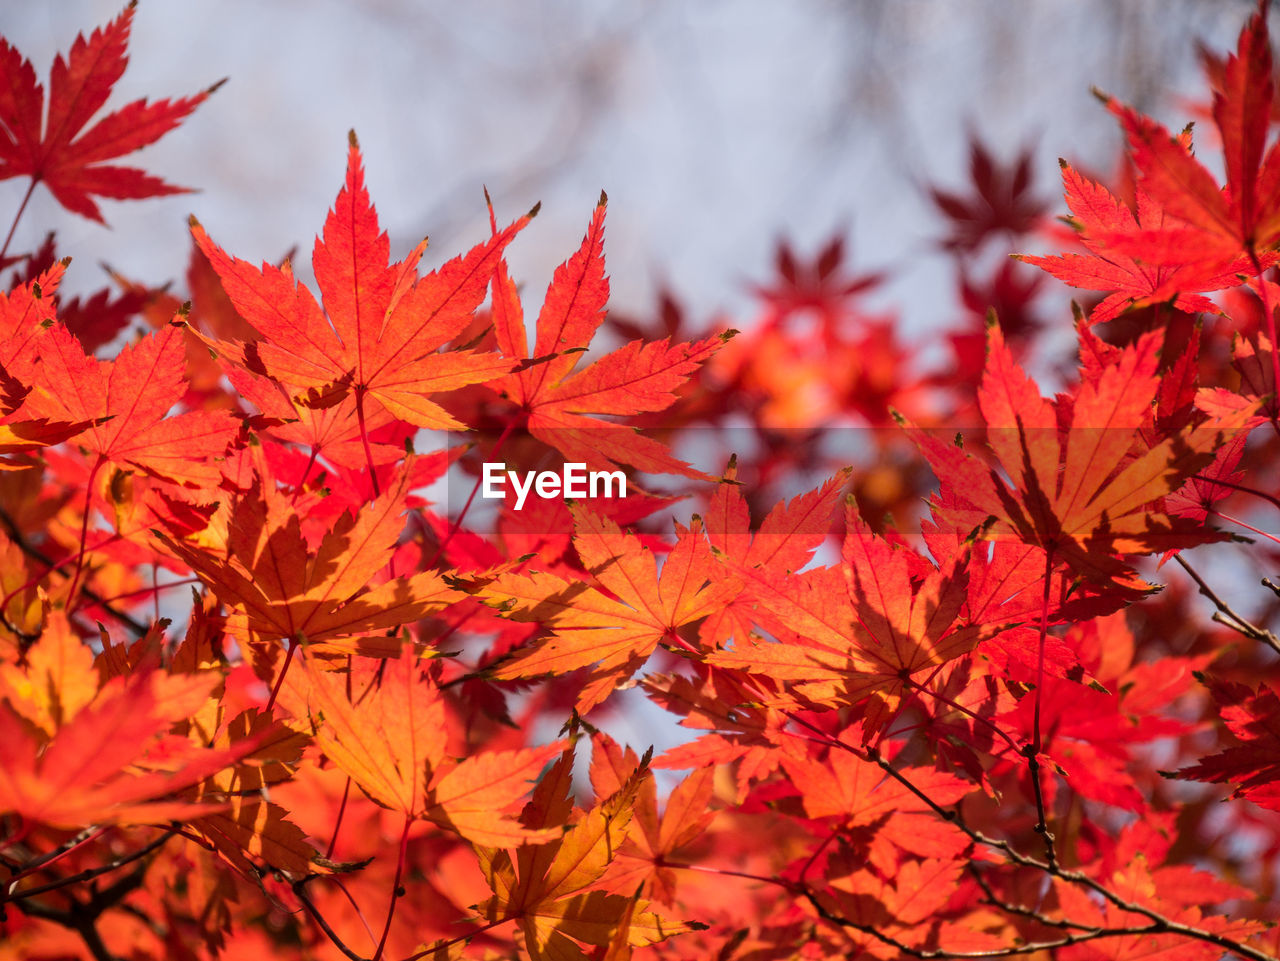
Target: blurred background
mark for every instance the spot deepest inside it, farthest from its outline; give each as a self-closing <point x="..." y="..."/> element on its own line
<point x="716" y="127"/>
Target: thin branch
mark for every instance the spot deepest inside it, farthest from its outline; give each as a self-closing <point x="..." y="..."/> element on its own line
<point x="15" y="535"/>
<point x="67" y="846"/>
<point x="396" y="890"/>
<point x="940" y="953"/>
<point x="90" y="873"/>
<point x="1032" y="751"/>
<point x="1031" y="913"/>
<point x="299" y="889"/>
<point x="1228" y="616"/>
<point x="1160" y="923"/>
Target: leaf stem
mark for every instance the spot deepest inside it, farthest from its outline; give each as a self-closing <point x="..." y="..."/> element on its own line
<point x="284" y="669"/>
<point x="1032" y="753"/>
<point x="457" y="523"/>
<point x="18" y="216"/>
<point x="342" y="810"/>
<point x="965" y="711"/>
<point x="364" y="439"/>
<point x="395" y="887"/>
<point x="1269" y="317"/>
<point x="84" y="532"/>
<point x="306" y="471"/>
<point x="1249" y="527"/>
<point x="460" y="938"/>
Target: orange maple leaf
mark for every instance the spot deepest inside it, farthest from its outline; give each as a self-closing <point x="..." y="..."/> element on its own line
<point x="76" y="751"/>
<point x="279" y="588"/>
<point x="551" y="889"/>
<point x="382" y="326"/>
<point x="784" y="543"/>
<point x="878" y="815"/>
<point x="391" y="736"/>
<point x="26" y="313"/>
<point x="865" y="629"/>
<point x="616" y="622"/>
<point x="125" y="402"/>
<point x="1082" y="479"/>
<point x="654" y="838"/>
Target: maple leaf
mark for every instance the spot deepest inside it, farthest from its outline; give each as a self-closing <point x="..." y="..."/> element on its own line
<point x="1097" y="214"/>
<point x="382" y="326"/>
<point x="618" y="630"/>
<point x="654" y="838"/>
<point x="1253" y="766"/>
<point x="864" y="629"/>
<point x="392" y="739"/>
<point x="744" y="727"/>
<point x="1091" y="731"/>
<point x="77" y="751"/>
<point x="280" y="588"/>
<point x="125" y="401"/>
<point x="26" y="313"/>
<point x="1220" y="224"/>
<point x="548" y="888"/>
<point x="635" y="378"/>
<point x="1179" y="892"/>
<point x="1082" y="478"/>
<point x="247" y="824"/>
<point x="821" y="284"/>
<point x="878" y="816"/>
<point x="48" y="142"/>
<point x="1001" y="201"/>
<point x="333" y="432"/>
<point x="784" y="543"/>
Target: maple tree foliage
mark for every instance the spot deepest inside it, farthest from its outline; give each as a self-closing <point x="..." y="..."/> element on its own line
<point x="994" y="685"/>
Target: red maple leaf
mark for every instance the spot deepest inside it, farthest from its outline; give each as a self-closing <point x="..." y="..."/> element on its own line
<point x="126" y="401"/>
<point x="1220" y="223"/>
<point x="49" y="142"/>
<point x="556" y="400"/>
<point x="1253" y="766"/>
<point x="1001" y="201"/>
<point x="1083" y="478"/>
<point x="1097" y="214"/>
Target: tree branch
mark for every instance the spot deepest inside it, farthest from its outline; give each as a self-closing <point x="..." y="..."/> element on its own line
<point x="90" y="873"/>
<point x="35" y="553"/>
<point x="1159" y="923"/>
<point x="1226" y="615"/>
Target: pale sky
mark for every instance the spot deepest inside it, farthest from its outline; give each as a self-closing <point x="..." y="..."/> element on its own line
<point x="714" y="126"/>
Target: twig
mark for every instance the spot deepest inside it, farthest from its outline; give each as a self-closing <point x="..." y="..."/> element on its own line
<point x="299" y="889"/>
<point x="1160" y="923"/>
<point x="90" y="873"/>
<point x="30" y="867"/>
<point x="940" y="953"/>
<point x="15" y="535"/>
<point x="1226" y="615"/>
